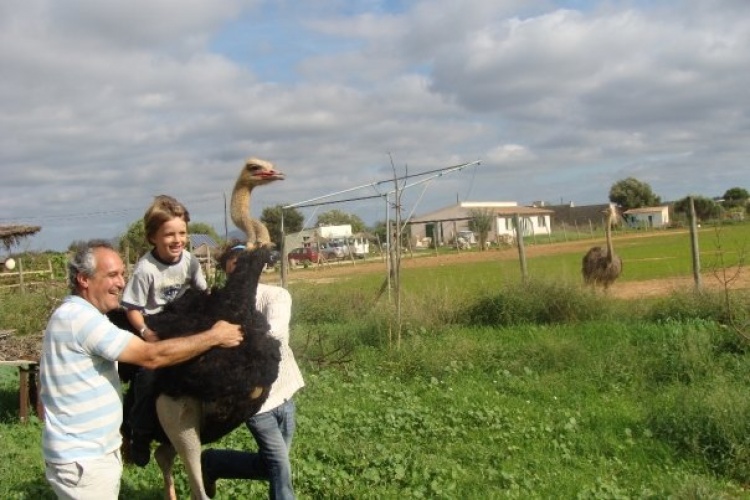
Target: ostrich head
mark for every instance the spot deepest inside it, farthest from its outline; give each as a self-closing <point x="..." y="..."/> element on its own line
<point x="611" y="213"/>
<point x="255" y="172"/>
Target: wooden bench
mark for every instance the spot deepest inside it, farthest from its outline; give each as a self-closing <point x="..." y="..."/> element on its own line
<point x="28" y="392"/>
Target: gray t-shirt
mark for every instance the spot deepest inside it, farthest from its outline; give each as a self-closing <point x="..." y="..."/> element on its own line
<point x="155" y="283"/>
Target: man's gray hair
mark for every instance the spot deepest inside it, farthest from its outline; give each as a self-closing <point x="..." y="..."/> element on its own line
<point x="83" y="262"/>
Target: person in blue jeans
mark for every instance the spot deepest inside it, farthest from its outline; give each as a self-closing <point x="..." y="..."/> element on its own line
<point x="273" y="426"/>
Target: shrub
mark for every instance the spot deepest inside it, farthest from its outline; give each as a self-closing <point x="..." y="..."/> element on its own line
<point x="702" y="305"/>
<point x="538" y="302"/>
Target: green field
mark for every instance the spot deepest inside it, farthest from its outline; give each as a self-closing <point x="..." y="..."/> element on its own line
<point x="489" y="388"/>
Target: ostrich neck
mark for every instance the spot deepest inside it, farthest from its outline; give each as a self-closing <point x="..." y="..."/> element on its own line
<point x="610" y="247"/>
<point x="255" y="231"/>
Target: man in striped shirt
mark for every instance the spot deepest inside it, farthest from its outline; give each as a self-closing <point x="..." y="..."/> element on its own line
<point x="80" y="388"/>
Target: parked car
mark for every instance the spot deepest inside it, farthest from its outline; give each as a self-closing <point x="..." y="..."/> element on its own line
<point x="302" y="255"/>
<point x="334" y="250"/>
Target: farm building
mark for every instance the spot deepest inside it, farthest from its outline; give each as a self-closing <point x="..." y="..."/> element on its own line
<point x="444" y="225"/>
<point x="205" y="249"/>
<point x="583" y="216"/>
<point x="13" y="234"/>
<point x="648" y="217"/>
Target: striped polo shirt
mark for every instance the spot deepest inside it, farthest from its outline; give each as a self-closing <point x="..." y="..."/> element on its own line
<point x="79" y="385"/>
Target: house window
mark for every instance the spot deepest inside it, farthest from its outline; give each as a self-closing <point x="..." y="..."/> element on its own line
<point x="541" y="221"/>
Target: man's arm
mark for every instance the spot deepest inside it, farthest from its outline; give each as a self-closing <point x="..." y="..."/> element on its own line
<point x="173" y="351"/>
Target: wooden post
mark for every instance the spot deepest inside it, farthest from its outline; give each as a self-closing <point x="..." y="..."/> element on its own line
<point x="29" y="392"/>
<point x="521" y="249"/>
<point x="694" y="244"/>
<point x="21" y="284"/>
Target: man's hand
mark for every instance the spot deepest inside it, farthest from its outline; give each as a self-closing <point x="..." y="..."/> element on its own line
<point x="227" y="334"/>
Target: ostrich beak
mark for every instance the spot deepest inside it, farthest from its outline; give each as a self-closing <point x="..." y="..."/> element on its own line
<point x="271" y="175"/>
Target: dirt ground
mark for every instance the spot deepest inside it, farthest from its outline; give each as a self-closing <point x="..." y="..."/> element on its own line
<point x="15" y="347"/>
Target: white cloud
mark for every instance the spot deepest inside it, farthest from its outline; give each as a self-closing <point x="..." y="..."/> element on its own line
<point x="103" y="106"/>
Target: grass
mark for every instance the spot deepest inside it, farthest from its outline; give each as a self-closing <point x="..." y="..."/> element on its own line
<point x="595" y="410"/>
<point x="497" y="391"/>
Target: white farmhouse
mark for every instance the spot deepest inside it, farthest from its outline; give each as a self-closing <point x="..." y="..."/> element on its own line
<point x="443" y="225"/>
<point x="648" y="217"/>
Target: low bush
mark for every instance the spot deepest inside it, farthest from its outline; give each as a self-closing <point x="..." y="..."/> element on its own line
<point x="538" y="302"/>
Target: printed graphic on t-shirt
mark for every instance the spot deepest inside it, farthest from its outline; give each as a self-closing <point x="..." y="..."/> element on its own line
<point x="170" y="292"/>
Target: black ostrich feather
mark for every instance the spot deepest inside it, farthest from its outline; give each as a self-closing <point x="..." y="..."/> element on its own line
<point x="218" y="373"/>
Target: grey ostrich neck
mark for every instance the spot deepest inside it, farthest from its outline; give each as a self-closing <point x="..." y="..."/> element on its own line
<point x="255" y="231"/>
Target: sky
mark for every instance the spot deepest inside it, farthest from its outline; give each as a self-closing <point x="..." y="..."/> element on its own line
<point x="106" y="104"/>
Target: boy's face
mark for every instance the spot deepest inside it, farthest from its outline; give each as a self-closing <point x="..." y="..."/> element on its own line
<point x="170" y="240"/>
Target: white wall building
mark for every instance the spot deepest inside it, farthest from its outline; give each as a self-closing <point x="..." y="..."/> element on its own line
<point x="647" y="217"/>
<point x="445" y="224"/>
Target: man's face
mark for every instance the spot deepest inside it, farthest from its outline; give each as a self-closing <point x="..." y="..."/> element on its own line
<point x="103" y="289"/>
<point x="170" y="240"/>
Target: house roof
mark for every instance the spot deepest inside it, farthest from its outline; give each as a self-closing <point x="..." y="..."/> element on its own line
<point x="199" y="239"/>
<point x="459" y="212"/>
<point x="11" y="235"/>
<point x="645" y="210"/>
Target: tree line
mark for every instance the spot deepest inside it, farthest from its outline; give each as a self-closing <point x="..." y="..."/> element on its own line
<point x="627" y="193"/>
<point x="631" y="193"/>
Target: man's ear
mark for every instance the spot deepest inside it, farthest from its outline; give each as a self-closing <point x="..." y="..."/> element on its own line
<point x="82" y="280"/>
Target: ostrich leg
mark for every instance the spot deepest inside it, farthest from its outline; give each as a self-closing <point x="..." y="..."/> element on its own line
<point x="180" y="419"/>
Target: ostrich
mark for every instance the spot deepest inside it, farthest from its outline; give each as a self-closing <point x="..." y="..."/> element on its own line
<point x="206" y="398"/>
<point x="600" y="265"/>
<point x="255" y="173"/>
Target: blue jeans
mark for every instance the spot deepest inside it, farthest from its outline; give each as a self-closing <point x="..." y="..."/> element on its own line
<point x="273" y="431"/>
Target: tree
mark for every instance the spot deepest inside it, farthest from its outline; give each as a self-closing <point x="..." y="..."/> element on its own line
<point x="271" y="217"/>
<point x="379" y="231"/>
<point x="705" y="208"/>
<point x="632" y="193"/>
<point x="133" y="243"/>
<point x="338" y="218"/>
<point x="735" y="197"/>
<point x="481" y="223"/>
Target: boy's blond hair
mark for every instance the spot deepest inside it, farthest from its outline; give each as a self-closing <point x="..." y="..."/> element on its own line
<point x="163" y="209"/>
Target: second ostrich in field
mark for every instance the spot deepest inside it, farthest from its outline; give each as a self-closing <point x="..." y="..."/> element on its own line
<point x="601" y="266"/>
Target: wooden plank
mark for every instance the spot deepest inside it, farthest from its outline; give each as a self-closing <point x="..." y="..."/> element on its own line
<point x="19" y="362"/>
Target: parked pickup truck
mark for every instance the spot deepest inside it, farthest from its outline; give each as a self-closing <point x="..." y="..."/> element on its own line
<point x="303" y="255"/>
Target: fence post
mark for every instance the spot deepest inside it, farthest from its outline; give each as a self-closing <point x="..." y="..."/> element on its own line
<point x="694" y="244"/>
<point x="521" y="249"/>
<point x="21" y="284"/>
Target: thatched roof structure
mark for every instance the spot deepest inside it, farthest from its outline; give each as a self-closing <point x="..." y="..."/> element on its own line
<point x="12" y="235"/>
